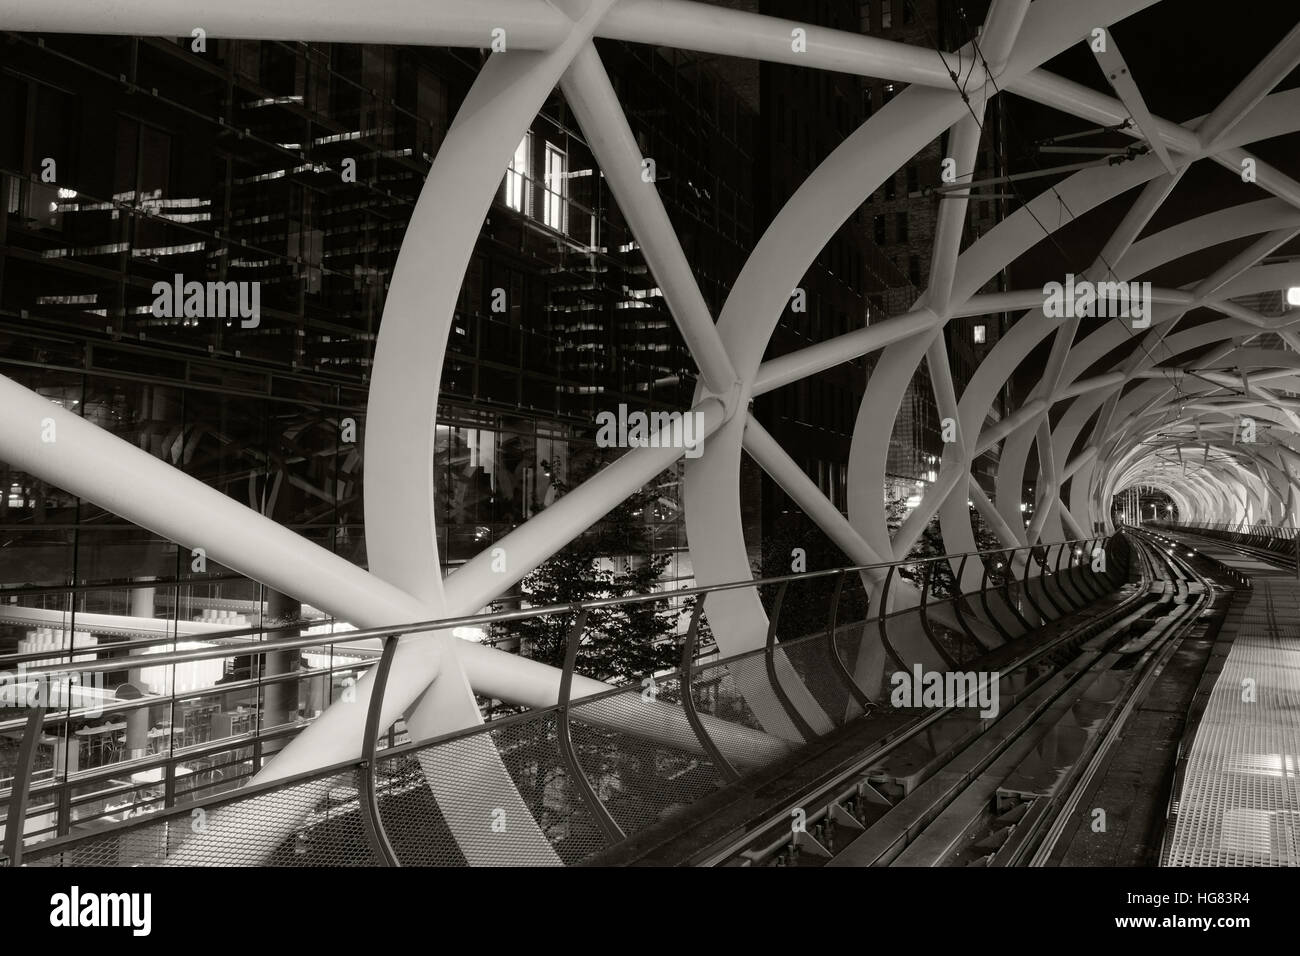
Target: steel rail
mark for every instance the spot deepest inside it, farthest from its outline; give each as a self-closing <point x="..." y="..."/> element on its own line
<point x="846" y="784"/>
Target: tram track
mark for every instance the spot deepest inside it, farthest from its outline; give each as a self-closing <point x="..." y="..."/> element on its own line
<point x="1000" y="796"/>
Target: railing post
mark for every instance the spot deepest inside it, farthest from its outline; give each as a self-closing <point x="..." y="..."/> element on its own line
<point x="956" y="606"/>
<point x="688" y="697"/>
<point x="1071" y="591"/>
<point x="837" y="662"/>
<point x="925" y="617"/>
<point x="769" y="659"/>
<point x="1029" y="594"/>
<point x="1086" y="578"/>
<point x="984" y="600"/>
<point x="1010" y="579"/>
<point x="1056" y="573"/>
<point x="884" y="615"/>
<point x="374" y="825"/>
<point x="65" y="810"/>
<point x="1048" y="572"/>
<point x="16" y="821"/>
<point x="169" y="784"/>
<point x="1117" y="577"/>
<point x="608" y="826"/>
<point x="1080" y="575"/>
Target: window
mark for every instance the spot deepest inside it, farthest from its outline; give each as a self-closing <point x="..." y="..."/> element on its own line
<point x="886" y="14"/>
<point x="888" y="91"/>
<point x="979" y="335"/>
<point x="913" y="180"/>
<point x="914" y="270"/>
<point x="900" y="226"/>
<point x="869" y="101"/>
<point x="517" y="176"/>
<point x="879" y="224"/>
<point x="890" y="190"/>
<point x="907" y="12"/>
<point x="553" y="213"/>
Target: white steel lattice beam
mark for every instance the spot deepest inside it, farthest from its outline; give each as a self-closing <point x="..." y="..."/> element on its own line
<point x="1091" y="425"/>
<point x="589" y="93"/>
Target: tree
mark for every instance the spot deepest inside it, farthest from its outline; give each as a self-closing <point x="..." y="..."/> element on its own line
<point x="807" y="604"/>
<point x="625" y="642"/>
<point x="943" y="582"/>
<point x="928" y="546"/>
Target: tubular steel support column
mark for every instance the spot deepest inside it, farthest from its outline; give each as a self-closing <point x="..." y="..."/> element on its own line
<point x="688" y="697"/>
<point x="374" y="823"/>
<point x="769" y="658"/>
<point x="16" y="821"/>
<point x="608" y="826"/>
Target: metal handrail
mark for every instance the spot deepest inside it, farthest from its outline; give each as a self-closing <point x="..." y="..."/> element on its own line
<point x="1280" y="540"/>
<point x="366" y="764"/>
<point x="441" y="624"/>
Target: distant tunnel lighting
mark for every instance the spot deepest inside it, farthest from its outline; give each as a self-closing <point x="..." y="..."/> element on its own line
<point x="1293" y="295"/>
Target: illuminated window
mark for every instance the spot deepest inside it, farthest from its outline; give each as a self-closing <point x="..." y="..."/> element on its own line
<point x="553" y="213"/>
<point x="517" y="176"/>
<point x="979" y="335"/>
<point x="886" y="14"/>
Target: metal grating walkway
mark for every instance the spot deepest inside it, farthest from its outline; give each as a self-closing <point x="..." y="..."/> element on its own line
<point x="1240" y="799"/>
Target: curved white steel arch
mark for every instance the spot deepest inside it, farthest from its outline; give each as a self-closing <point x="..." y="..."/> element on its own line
<point x="550" y="43"/>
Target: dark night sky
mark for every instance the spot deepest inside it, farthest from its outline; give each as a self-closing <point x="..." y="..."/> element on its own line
<point x="1186" y="56"/>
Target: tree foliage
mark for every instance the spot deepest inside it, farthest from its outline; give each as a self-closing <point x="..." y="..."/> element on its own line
<point x="807" y="604"/>
<point x="625" y="642"/>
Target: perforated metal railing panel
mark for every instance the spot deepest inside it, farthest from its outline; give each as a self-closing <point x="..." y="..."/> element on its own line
<point x="505" y="794"/>
<point x="312" y="823"/>
<point x="1240" y="798"/>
